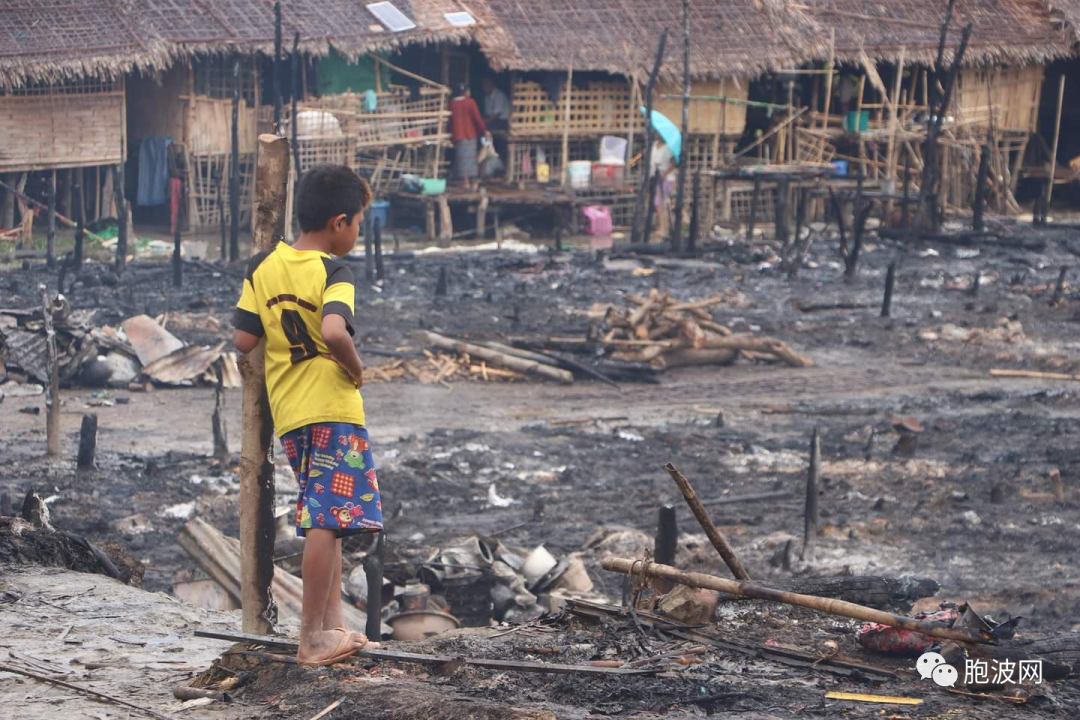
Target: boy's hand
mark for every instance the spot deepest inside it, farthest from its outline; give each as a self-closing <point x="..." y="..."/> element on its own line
<point x="356" y="377"/>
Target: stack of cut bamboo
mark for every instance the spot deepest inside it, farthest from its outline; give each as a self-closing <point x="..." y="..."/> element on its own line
<point x="666" y="333"/>
<point x="438" y="368"/>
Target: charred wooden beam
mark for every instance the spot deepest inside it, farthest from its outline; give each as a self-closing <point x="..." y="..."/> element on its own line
<point x="87" y="442"/>
<point x="810" y="520"/>
<point x="637" y="232"/>
<point x="890" y="282"/>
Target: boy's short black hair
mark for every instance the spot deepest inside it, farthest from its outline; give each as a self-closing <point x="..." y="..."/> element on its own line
<point x="327" y="191"/>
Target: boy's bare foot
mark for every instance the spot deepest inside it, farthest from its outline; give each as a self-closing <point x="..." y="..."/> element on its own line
<point x="325" y="647"/>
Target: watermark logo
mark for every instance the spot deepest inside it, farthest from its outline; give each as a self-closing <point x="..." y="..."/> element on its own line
<point x="932" y="666"/>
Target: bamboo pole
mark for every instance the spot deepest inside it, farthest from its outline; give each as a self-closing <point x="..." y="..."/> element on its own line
<point x="510" y="361"/>
<point x="643" y="205"/>
<point x="1054" y="150"/>
<point x="52" y="392"/>
<point x="821" y="604"/>
<point x="828" y="79"/>
<point x="680" y="183"/>
<point x="256" y="471"/>
<point x="894" y="119"/>
<point x="566" y="124"/>
<point x="715" y="536"/>
<point x="234" y="168"/>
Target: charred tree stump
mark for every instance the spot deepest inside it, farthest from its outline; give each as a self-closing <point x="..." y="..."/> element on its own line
<point x="667" y="540"/>
<point x="234" y="169"/>
<point x="87" y="442"/>
<point x="217" y="419"/>
<point x="377" y="242"/>
<point x="810" y="518"/>
<point x="50" y="237"/>
<point x="256" y="471"/>
<point x="637" y="232"/>
<point x="373" y="569"/>
<point x="755" y="199"/>
<point x="890" y="282"/>
<point x="52" y="392"/>
<point x="980" y="188"/>
<point x="781" y="215"/>
<point x="695" y="217"/>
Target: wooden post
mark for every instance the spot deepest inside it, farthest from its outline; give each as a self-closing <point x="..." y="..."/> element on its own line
<point x="680" y="182"/>
<point x="1059" y="289"/>
<point x="650" y="208"/>
<point x="218" y="427"/>
<point x="377" y="242"/>
<point x="755" y="198"/>
<point x="980" y="188"/>
<point x="641" y="209"/>
<point x="294" y="91"/>
<point x="828" y="79"/>
<point x="1054" y="149"/>
<point x="715" y="536"/>
<point x="894" y="117"/>
<point x="275" y="75"/>
<point x="781" y="231"/>
<point x="52" y="364"/>
<point x="373" y="569"/>
<point x="481" y="214"/>
<point x="667" y="541"/>
<point x="234" y="170"/>
<point x="222" y="215"/>
<point x="256" y="471"/>
<point x="443" y="283"/>
<point x="890" y="282"/>
<point x="568" y="96"/>
<point x="446" y="223"/>
<point x="695" y="217"/>
<point x="810" y="521"/>
<point x="87" y="442"/>
<point x="80" y="225"/>
<point x="50" y="237"/>
<point x="121" y="216"/>
<point x="369" y="248"/>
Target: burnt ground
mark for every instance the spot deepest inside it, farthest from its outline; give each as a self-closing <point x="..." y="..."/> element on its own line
<point x="972" y="508"/>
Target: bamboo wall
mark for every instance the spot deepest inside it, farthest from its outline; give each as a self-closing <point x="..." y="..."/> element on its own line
<point x="62" y="126"/>
<point x="1007" y="98"/>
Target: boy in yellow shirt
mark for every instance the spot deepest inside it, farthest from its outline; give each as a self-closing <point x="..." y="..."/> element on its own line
<point x="301" y="299"/>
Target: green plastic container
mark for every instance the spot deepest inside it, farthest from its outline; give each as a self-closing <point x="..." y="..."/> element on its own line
<point x="432" y="186"/>
<point x="857" y="121"/>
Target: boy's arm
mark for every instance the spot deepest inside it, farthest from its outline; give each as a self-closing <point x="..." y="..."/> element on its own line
<point x="338" y="301"/>
<point x="335" y="333"/>
<point x="247" y="326"/>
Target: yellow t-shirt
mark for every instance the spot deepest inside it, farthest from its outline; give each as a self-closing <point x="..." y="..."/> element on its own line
<point x="286" y="294"/>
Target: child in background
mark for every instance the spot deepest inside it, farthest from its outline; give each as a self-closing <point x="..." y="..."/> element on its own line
<point x="301" y="299"/>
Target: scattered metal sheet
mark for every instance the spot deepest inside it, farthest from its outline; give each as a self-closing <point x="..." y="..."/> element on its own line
<point x="184" y="364"/>
<point x="151" y="341"/>
<point x="26" y="351"/>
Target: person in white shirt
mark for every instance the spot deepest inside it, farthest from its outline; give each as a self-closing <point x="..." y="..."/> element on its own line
<point x="662" y="164"/>
<point x="496" y="115"/>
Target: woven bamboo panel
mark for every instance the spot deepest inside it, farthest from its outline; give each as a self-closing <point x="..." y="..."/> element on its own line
<point x="603" y="107"/>
<point x="734" y="200"/>
<point x="399" y="117"/>
<point x="204" y="173"/>
<point x="709" y="117"/>
<point x="314" y="151"/>
<point x="1008" y="98"/>
<point x="61" y="126"/>
<point x="213" y="127"/>
<point x="384" y="167"/>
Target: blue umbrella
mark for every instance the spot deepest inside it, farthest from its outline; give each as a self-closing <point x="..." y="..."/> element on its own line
<point x="669" y="133"/>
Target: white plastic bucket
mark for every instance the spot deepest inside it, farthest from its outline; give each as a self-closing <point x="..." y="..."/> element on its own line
<point x="612" y="150"/>
<point x="580" y="173"/>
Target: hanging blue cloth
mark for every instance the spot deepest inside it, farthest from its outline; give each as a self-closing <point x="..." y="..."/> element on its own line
<point x="153" y="171"/>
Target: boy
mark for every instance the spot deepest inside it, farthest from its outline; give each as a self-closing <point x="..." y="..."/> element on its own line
<point x="300" y="298"/>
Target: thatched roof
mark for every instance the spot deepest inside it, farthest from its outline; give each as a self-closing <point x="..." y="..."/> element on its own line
<point x="728" y="37"/>
<point x="1003" y="30"/>
<point x="51" y="40"/>
<point x="1069" y="13"/>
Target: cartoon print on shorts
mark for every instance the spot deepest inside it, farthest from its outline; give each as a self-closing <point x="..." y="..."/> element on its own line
<point x="305" y="518"/>
<point x="319" y="488"/>
<point x="355" y="457"/>
<point x="321" y="519"/>
<point x="342" y="484"/>
<point x="372" y="479"/>
<point x="290" y="450"/>
<point x="346" y="514"/>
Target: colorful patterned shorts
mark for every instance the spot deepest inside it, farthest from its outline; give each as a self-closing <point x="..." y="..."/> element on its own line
<point x="339" y="490"/>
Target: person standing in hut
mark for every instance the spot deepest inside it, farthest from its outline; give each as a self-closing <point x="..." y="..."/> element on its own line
<point x="496" y="114"/>
<point x="662" y="165"/>
<point x="466" y="129"/>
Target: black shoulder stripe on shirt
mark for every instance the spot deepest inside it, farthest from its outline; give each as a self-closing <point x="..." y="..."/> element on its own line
<point x="254" y="262"/>
<point x="336" y="307"/>
<point x="289" y="297"/>
<point x="337" y="272"/>
<point x="247" y="321"/>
